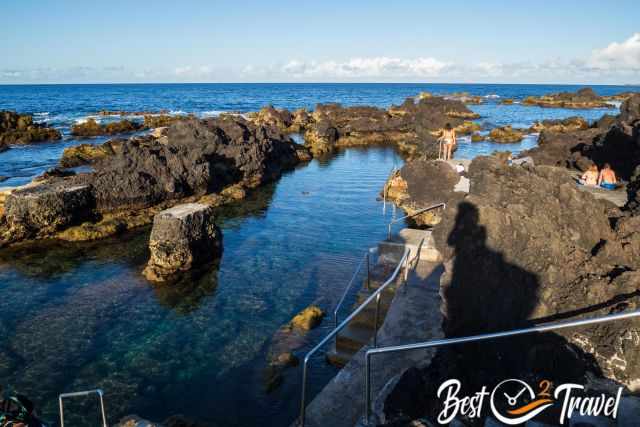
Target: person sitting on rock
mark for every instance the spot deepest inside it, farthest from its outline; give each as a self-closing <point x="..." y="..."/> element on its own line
<point x="590" y="177"/>
<point x="448" y="139"/>
<point x="607" y="178"/>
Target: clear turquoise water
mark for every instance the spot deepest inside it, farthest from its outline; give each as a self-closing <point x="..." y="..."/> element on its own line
<point x="81" y="316"/>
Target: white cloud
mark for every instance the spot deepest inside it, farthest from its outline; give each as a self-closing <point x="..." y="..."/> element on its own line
<point x="375" y="67"/>
<point x="624" y="55"/>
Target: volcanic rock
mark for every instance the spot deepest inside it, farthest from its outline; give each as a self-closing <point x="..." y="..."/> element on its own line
<point x="420" y="184"/>
<point x="569" y="124"/>
<point x="583" y="98"/>
<point x="46" y="208"/>
<point x="85" y="154"/>
<point x="91" y="128"/>
<point x="506" y="135"/>
<point x="20" y="129"/>
<point x="182" y="238"/>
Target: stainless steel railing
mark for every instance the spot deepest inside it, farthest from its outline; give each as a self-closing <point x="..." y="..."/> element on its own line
<point x="81" y="394"/>
<point x="375" y="295"/>
<point x="395" y="220"/>
<point x="483" y="337"/>
<point x="384" y="190"/>
<point x="365" y="261"/>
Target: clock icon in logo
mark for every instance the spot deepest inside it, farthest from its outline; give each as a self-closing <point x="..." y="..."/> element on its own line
<point x="514" y="402"/>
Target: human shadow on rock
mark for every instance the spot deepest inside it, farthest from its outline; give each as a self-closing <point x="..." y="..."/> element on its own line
<point x="482" y="292"/>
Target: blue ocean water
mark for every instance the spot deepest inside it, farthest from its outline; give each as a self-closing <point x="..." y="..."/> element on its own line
<point x="62" y="105"/>
<point x="79" y="316"/>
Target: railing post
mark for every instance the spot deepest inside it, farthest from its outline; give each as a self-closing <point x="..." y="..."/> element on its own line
<point x="367" y="388"/>
<point x="375" y="326"/>
<point x="368" y="269"/>
<point x="303" y="397"/>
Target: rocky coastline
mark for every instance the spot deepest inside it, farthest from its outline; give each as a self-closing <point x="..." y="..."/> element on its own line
<point x="213" y="161"/>
<point x="526" y="246"/>
<point x="412" y="127"/>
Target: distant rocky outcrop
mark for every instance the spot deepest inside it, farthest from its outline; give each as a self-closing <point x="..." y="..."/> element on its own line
<point x="569" y="124"/>
<point x="583" y="98"/>
<point x="215" y="160"/>
<point x="91" y="127"/>
<point x="412" y="126"/>
<point x="20" y="129"/>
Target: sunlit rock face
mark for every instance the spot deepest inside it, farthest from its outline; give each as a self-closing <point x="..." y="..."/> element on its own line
<point x="182" y="238"/>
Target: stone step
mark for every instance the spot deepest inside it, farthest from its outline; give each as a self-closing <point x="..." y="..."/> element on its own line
<point x="339" y="358"/>
<point x="353" y="337"/>
<point x="391" y="250"/>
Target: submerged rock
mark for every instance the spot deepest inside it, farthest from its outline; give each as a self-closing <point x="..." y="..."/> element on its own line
<point x="91" y="128"/>
<point x="182" y="238"/>
<point x="476" y="137"/>
<point x="20" y="129"/>
<point x="583" y="98"/>
<point x="308" y="318"/>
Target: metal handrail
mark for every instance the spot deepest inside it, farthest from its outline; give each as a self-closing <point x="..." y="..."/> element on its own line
<point x="473" y="338"/>
<point x="367" y="259"/>
<point x="342" y="325"/>
<point x="79" y="394"/>
<point x="395" y="220"/>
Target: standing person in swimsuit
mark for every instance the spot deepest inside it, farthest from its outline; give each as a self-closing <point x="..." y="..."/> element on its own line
<point x="448" y="139"/>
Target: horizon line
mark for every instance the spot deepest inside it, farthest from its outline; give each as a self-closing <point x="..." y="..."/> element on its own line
<point x="314" y="83"/>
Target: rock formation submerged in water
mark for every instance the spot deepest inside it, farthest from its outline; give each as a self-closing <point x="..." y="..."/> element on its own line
<point x="212" y="160"/>
<point x="412" y="126"/>
<point x="20" y="129"/>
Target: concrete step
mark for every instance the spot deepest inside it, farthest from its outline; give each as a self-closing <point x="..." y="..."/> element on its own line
<point x="339" y="358"/>
<point x="353" y="337"/>
<point x="385" y="297"/>
<point x="391" y="250"/>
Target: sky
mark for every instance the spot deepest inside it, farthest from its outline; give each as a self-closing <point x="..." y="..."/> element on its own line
<point x="492" y="41"/>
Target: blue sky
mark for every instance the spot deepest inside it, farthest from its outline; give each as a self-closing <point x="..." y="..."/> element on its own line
<point x="539" y="41"/>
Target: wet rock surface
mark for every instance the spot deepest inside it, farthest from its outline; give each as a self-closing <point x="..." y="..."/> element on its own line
<point x="182" y="238"/>
<point x="583" y="98"/>
<point x="20" y="129"/>
<point x="519" y="250"/>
